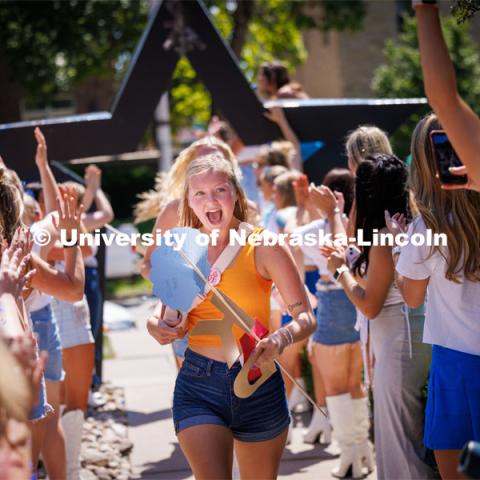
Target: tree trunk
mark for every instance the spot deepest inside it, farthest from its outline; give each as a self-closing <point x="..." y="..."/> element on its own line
<point x="241" y="19"/>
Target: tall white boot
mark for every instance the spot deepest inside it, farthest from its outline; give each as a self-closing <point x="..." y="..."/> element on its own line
<point x="297" y="402"/>
<point x="340" y="408"/>
<point x="318" y="425"/>
<point x="72" y="423"/>
<point x="361" y="431"/>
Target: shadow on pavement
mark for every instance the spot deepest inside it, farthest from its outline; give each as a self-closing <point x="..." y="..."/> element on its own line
<point x="173" y="468"/>
<point x="135" y="419"/>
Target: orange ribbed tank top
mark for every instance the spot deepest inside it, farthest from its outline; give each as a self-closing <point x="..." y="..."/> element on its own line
<point x="245" y="286"/>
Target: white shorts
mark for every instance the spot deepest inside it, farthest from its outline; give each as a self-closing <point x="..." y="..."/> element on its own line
<point x="73" y="322"/>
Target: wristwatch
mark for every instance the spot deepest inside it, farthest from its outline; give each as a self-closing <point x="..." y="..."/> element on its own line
<point x="340" y="271"/>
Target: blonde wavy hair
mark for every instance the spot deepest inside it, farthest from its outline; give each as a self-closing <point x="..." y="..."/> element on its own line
<point x="214" y="162"/>
<point x="364" y="141"/>
<point x="169" y="185"/>
<point x="455" y="213"/>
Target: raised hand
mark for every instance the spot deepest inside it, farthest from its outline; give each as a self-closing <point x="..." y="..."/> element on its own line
<point x="93" y="177"/>
<point x="22" y="239"/>
<point x="69" y="213"/>
<point x="300" y="188"/>
<point x="13" y="272"/>
<point x="41" y="155"/>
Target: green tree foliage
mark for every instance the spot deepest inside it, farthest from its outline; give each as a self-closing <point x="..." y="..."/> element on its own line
<point x="269" y="29"/>
<point x="465" y="9"/>
<point x="52" y="45"/>
<point x="401" y="75"/>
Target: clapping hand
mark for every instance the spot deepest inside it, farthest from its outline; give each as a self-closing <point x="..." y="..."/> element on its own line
<point x="396" y="224"/>
<point x="335" y="256"/>
<point x="325" y="200"/>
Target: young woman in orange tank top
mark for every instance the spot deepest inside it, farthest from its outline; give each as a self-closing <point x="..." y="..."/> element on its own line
<point x="210" y="420"/>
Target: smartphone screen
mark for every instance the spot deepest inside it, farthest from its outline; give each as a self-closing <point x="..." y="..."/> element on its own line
<point x="446" y="157"/>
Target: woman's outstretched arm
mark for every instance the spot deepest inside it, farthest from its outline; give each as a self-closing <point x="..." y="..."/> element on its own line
<point x="460" y="122"/>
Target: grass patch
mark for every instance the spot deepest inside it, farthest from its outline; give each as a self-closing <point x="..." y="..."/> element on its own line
<point x="127" y="287"/>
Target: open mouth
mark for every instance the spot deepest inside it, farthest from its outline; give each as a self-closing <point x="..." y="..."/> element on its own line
<point x="214" y="217"/>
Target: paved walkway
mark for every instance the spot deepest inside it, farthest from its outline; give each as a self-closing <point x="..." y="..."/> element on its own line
<point x="147" y="372"/>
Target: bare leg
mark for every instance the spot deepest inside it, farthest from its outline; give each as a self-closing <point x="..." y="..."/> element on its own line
<point x="53" y="450"/>
<point x="447" y="461"/>
<point x="38" y="430"/>
<point x="260" y="459"/>
<point x="318" y="384"/>
<point x="78" y="364"/>
<point x="334" y="364"/>
<point x="209" y="451"/>
<point x="355" y="385"/>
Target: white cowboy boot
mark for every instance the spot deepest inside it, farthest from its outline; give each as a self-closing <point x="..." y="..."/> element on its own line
<point x="72" y="423"/>
<point x="318" y="425"/>
<point x="297" y="402"/>
<point x="361" y="431"/>
<point x="341" y="415"/>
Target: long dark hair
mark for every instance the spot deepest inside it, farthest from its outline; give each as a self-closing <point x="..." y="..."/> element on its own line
<point x="381" y="184"/>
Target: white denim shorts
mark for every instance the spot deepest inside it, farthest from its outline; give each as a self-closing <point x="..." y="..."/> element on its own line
<point x="73" y="322"/>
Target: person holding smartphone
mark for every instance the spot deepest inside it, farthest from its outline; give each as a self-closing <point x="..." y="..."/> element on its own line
<point x="461" y="123"/>
<point x="450" y="277"/>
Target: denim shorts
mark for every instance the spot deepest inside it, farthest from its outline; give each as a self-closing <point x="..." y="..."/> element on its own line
<point x="336" y="318"/>
<point x="204" y="396"/>
<point x="48" y="338"/>
<point x="41" y="408"/>
<point x="453" y="405"/>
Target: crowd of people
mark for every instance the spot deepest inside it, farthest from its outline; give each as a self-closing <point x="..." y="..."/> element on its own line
<point x="49" y="317"/>
<point x="390" y="319"/>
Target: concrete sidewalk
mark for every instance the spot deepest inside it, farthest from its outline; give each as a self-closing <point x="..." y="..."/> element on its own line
<point x="147" y="372"/>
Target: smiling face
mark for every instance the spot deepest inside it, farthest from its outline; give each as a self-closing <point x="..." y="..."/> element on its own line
<point x="212" y="197"/>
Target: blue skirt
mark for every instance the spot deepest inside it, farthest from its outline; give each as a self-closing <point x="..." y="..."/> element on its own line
<point x="336" y="318"/>
<point x="453" y="405"/>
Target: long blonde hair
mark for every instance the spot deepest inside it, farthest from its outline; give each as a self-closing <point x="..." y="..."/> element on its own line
<point x="169" y="185"/>
<point x="217" y="163"/>
<point x="455" y="213"/>
<point x="366" y="140"/>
